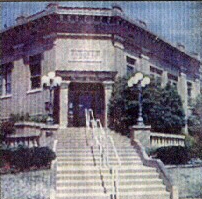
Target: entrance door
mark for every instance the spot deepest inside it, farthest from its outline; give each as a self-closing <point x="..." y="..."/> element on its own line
<point x="85" y="96"/>
<point x="85" y="101"/>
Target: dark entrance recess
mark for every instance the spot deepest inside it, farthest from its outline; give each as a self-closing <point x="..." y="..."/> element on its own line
<point x="85" y="96"/>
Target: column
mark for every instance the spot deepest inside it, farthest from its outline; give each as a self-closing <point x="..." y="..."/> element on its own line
<point x="119" y="56"/>
<point x="64" y="88"/>
<point x="144" y="64"/>
<point x="182" y="90"/>
<point x="164" y="78"/>
<point x="196" y="88"/>
<point x="108" y="86"/>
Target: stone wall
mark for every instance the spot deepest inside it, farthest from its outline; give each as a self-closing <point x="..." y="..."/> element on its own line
<point x="84" y="54"/>
<point x="22" y="97"/>
<point x="188" y="179"/>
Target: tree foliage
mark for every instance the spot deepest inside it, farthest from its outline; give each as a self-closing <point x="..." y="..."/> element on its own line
<point x="162" y="107"/>
<point x="195" y="120"/>
<point x="195" y="127"/>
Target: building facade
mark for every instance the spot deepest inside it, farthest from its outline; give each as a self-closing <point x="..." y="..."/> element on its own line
<point x="88" y="48"/>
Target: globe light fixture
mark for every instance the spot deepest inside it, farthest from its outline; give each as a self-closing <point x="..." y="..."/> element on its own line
<point x="51" y="74"/>
<point x="141" y="81"/>
<point x="51" y="82"/>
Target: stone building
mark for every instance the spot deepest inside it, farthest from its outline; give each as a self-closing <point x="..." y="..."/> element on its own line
<point x="88" y="48"/>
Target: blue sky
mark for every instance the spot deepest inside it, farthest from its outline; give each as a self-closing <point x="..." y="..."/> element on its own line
<point x="173" y="21"/>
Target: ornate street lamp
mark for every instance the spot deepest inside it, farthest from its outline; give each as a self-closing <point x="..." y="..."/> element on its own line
<point x="51" y="82"/>
<point x="141" y="81"/>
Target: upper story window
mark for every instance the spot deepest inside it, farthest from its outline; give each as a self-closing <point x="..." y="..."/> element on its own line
<point x="35" y="71"/>
<point x="189" y="92"/>
<point x="172" y="79"/>
<point x="156" y="73"/>
<point x="130" y="65"/>
<point x="6" y="79"/>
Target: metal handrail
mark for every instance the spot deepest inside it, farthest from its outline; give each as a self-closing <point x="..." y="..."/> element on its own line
<point x="102" y="142"/>
<point x="92" y="123"/>
<point x="114" y="169"/>
<point x="112" y="142"/>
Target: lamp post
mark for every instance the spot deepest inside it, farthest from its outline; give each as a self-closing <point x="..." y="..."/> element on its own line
<point x="51" y="82"/>
<point x="141" y="81"/>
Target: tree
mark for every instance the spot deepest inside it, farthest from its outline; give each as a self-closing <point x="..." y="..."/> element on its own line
<point x="195" y="120"/>
<point x="195" y="127"/>
<point x="162" y="107"/>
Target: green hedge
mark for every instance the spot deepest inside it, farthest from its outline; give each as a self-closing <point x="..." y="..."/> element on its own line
<point x="22" y="158"/>
<point x="173" y="155"/>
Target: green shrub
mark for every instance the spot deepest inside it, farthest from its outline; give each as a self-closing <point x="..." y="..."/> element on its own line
<point x="23" y="158"/>
<point x="173" y="155"/>
<point x="42" y="156"/>
<point x="38" y="118"/>
<point x="26" y="117"/>
<point x="6" y="128"/>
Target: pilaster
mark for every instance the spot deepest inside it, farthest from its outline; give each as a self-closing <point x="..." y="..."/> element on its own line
<point x="144" y="64"/>
<point x="196" y="88"/>
<point x="108" y="86"/>
<point x="64" y="89"/>
<point x="182" y="90"/>
<point x="119" y="58"/>
<point x="164" y="78"/>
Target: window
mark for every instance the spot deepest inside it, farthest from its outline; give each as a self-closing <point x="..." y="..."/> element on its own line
<point x="189" y="88"/>
<point x="130" y="65"/>
<point x="35" y="71"/>
<point x="156" y="74"/>
<point x="130" y="70"/>
<point x="172" y="79"/>
<point x="5" y="79"/>
<point x="189" y="92"/>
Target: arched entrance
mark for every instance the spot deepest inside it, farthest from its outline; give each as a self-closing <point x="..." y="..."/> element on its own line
<point x="85" y="96"/>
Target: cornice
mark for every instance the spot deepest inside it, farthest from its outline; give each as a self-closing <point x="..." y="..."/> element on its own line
<point x="123" y="24"/>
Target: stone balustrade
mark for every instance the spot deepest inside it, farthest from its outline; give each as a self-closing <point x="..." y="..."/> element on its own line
<point x="163" y="139"/>
<point x="30" y="134"/>
<point x="29" y="140"/>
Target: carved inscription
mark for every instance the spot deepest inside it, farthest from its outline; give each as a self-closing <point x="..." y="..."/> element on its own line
<point x="85" y="55"/>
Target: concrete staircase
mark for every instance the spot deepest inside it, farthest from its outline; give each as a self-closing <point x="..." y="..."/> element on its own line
<point x="80" y="177"/>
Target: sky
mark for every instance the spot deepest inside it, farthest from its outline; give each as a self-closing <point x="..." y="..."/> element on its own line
<point x="174" y="21"/>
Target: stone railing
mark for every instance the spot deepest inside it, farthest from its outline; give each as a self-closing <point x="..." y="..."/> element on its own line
<point x="31" y="134"/>
<point x="147" y="161"/>
<point x="163" y="139"/>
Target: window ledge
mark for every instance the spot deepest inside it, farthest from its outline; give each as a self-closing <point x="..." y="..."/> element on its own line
<point x="5" y="96"/>
<point x="34" y="91"/>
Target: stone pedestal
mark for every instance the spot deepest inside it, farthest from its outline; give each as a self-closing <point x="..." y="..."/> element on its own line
<point x="141" y="133"/>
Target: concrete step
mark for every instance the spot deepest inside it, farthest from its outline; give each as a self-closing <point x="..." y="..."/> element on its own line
<point x="90" y="157"/>
<point x="80" y="189"/>
<point x="93" y="169"/>
<point x="142" y="195"/>
<point x="82" y="196"/>
<point x="108" y="182"/>
<point x="76" y="163"/>
<point x="122" y="188"/>
<point x="147" y="175"/>
<point x="139" y="188"/>
<point x="96" y="170"/>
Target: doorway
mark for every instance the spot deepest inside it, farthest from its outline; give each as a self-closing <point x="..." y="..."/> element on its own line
<point x="85" y="96"/>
